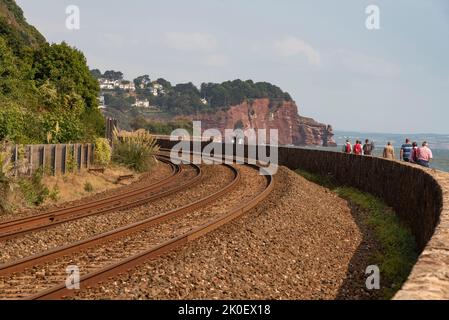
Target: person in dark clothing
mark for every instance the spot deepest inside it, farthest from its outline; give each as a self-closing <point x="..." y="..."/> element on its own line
<point x="414" y="154"/>
<point x="368" y="148"/>
<point x="406" y="151"/>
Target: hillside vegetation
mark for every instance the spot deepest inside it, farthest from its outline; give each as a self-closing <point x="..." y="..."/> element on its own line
<point x="186" y="98"/>
<point x="47" y="93"/>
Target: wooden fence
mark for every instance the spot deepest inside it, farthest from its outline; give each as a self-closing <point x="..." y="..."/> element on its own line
<point x="53" y="158"/>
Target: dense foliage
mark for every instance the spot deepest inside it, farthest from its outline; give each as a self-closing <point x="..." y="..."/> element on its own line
<point x="234" y="92"/>
<point x="162" y="128"/>
<point x="14" y="28"/>
<point x="186" y="98"/>
<point x="102" y="155"/>
<point x="47" y="93"/>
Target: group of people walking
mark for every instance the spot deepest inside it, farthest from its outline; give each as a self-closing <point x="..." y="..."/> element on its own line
<point x="410" y="152"/>
<point x="367" y="149"/>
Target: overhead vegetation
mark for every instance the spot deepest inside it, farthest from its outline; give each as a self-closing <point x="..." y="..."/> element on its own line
<point x="43" y="86"/>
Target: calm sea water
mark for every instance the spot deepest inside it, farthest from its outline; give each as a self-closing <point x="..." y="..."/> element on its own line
<point x="438" y="143"/>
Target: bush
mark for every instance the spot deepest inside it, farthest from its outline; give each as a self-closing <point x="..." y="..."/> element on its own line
<point x="54" y="194"/>
<point x="5" y="177"/>
<point x="4" y="192"/>
<point x="71" y="164"/>
<point x="88" y="187"/>
<point x="34" y="191"/>
<point x="134" y="150"/>
<point x="102" y="154"/>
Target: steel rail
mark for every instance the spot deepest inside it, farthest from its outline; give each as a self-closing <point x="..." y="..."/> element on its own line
<point x="50" y="215"/>
<point x="93" y="278"/>
<point x="19" y="265"/>
<point x="42" y="222"/>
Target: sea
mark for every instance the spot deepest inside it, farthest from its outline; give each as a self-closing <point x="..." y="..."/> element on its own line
<point x="439" y="143"/>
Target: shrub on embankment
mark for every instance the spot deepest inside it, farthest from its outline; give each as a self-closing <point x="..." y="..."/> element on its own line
<point x="103" y="152"/>
<point x="398" y="252"/>
<point x="134" y="150"/>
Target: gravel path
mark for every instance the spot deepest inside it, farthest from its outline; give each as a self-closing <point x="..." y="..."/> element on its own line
<point x="52" y="273"/>
<point x="298" y="244"/>
<point x="214" y="178"/>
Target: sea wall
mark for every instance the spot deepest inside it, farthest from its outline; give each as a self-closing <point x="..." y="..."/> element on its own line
<point x="419" y="196"/>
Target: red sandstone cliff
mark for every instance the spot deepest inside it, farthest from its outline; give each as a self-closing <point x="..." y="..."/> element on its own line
<point x="269" y="114"/>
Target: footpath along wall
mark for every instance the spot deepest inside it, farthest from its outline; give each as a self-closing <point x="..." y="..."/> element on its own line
<point x="419" y="196"/>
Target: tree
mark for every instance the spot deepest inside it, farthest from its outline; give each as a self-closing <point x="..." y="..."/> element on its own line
<point x="113" y="75"/>
<point x="96" y="74"/>
<point x="66" y="68"/>
<point x="142" y="80"/>
<point x="43" y="86"/>
<point x="166" y="84"/>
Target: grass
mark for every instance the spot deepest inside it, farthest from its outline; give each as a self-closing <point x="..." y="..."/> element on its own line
<point x="33" y="190"/>
<point x="88" y="187"/>
<point x="398" y="251"/>
<point x="134" y="150"/>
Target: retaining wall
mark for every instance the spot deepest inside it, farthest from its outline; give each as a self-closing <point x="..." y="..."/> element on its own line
<point x="419" y="196"/>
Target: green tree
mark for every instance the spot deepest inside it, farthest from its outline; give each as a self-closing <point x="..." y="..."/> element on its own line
<point x="96" y="73"/>
<point x="113" y="75"/>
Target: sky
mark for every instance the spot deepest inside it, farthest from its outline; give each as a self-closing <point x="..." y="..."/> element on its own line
<point x="393" y="79"/>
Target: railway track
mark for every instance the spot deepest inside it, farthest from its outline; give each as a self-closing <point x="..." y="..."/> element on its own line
<point x="43" y="276"/>
<point x="137" y="197"/>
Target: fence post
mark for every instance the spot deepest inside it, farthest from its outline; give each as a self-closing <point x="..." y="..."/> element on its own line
<point x="87" y="155"/>
<point x="75" y="158"/>
<point x="64" y="159"/>
<point x="53" y="165"/>
<point x="92" y="154"/>
<point x="15" y="158"/>
<point x="42" y="158"/>
<point x="79" y="157"/>
<point x="31" y="159"/>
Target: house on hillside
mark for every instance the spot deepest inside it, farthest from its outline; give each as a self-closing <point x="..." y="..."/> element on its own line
<point x="127" y="85"/>
<point x="142" y="103"/>
<point x="107" y="84"/>
<point x="101" y="103"/>
<point x="144" y="83"/>
<point x="157" y="89"/>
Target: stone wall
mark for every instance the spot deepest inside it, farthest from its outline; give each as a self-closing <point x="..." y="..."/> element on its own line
<point x="419" y="196"/>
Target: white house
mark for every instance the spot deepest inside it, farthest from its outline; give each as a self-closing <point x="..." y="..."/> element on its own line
<point x="142" y="103"/>
<point x="101" y="104"/>
<point x="157" y="89"/>
<point x="127" y="86"/>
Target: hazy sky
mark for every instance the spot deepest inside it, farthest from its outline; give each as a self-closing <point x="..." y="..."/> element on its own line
<point x="395" y="79"/>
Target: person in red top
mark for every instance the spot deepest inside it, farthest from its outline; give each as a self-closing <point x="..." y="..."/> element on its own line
<point x="347" y="148"/>
<point x="358" y="149"/>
